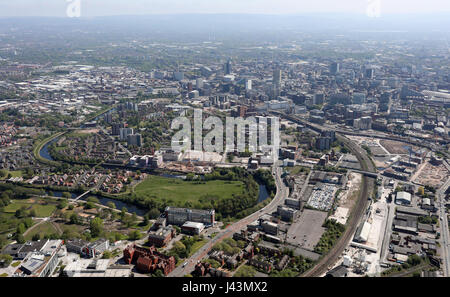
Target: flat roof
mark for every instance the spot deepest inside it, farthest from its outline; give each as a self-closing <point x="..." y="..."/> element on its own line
<point x="193" y="225"/>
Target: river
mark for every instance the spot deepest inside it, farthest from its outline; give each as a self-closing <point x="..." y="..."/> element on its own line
<point x="44" y="153"/>
<point x="104" y="201"/>
<point x="263" y="194"/>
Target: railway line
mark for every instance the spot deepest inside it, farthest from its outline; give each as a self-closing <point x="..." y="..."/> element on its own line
<point x="332" y="256"/>
<point x="327" y="261"/>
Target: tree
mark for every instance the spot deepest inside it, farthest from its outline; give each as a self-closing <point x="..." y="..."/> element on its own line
<point x="414" y="260"/>
<point x="28" y="222"/>
<point x="93" y="199"/>
<point x="21" y="228"/>
<point x="74" y="219"/>
<point x="421" y="191"/>
<point x="180" y="249"/>
<point x="7" y="260"/>
<point x="66" y="195"/>
<point x="32" y="213"/>
<point x="36" y="237"/>
<point x="134" y="235"/>
<point x="111" y="204"/>
<point x="20" y="213"/>
<point x="107" y="255"/>
<point x="62" y="204"/>
<point x="133" y="218"/>
<point x="153" y="213"/>
<point x="89" y="205"/>
<point x="158" y="273"/>
<point x="19" y="238"/>
<point x="177" y="229"/>
<point x="96" y="227"/>
<point x="123" y="212"/>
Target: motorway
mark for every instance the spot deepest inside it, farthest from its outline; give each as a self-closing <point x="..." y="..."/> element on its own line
<point x="282" y="192"/>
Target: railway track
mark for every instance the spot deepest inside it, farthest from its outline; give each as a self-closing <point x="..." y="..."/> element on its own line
<point x="332" y="256"/>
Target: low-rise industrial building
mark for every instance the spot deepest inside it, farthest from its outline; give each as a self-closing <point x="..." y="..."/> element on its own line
<point x="192" y="228"/>
<point x="403" y="198"/>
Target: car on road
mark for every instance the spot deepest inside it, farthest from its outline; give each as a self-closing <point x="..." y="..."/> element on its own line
<point x="184" y="265"/>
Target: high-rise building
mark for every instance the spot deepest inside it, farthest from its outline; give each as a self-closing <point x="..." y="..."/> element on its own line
<point x="323" y="143"/>
<point x="359" y="98"/>
<point x="318" y="98"/>
<point x="134" y="139"/>
<point x="334" y="68"/>
<point x="228" y="67"/>
<point x="199" y="83"/>
<point x="248" y="84"/>
<point x="370" y="73"/>
<point x="178" y="75"/>
<point x="124" y="132"/>
<point x="364" y="123"/>
<point x="116" y="128"/>
<point x="340" y="98"/>
<point x="108" y="118"/>
<point x="277" y="77"/>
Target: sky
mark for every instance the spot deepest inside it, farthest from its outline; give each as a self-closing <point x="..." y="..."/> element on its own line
<point x="91" y="8"/>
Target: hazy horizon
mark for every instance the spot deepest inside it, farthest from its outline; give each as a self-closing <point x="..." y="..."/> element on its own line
<point x="98" y="8"/>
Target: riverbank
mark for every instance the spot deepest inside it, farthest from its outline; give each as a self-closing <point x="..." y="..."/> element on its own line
<point x="40" y="146"/>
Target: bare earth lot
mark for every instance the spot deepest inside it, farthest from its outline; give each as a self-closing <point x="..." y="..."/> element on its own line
<point x="308" y="229"/>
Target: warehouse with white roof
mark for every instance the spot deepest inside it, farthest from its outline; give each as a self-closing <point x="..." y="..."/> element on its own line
<point x="403" y="198"/>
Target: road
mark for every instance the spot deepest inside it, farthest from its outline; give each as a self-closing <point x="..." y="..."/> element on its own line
<point x="387" y="232"/>
<point x="444" y="228"/>
<point x="282" y="192"/>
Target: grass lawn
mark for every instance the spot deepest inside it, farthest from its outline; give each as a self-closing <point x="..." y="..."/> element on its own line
<point x="196" y="246"/>
<point x="71" y="228"/>
<point x="15" y="264"/>
<point x="17" y="173"/>
<point x="43" y="229"/>
<point x="245" y="271"/>
<point x="298" y="169"/>
<point x="41" y="210"/>
<point x="182" y="191"/>
<point x="3" y="275"/>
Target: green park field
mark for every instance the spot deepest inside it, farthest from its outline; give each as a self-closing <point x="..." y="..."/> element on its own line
<point x="41" y="209"/>
<point x="46" y="228"/>
<point x="183" y="191"/>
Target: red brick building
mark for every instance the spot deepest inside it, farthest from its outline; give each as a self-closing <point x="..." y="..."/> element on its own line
<point x="148" y="260"/>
